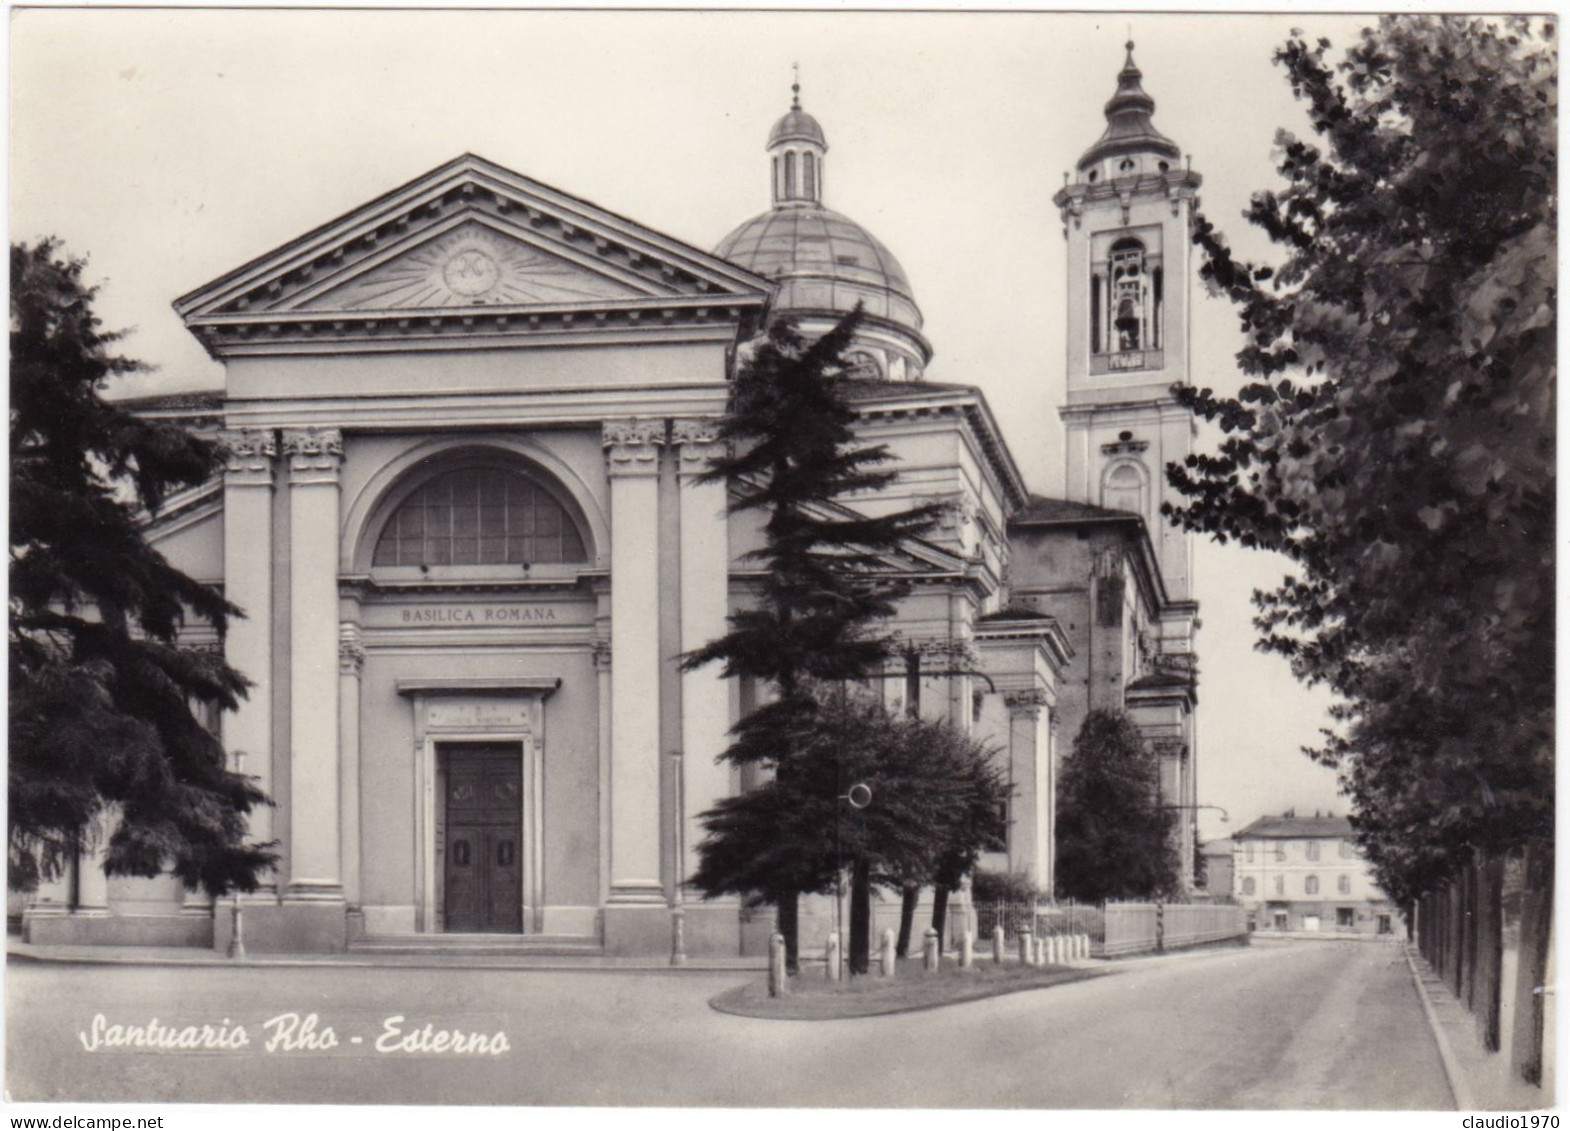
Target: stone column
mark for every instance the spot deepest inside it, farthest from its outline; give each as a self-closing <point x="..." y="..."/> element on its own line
<point x="314" y="855"/>
<point x="248" y="582"/>
<point x="635" y="919"/>
<point x="351" y="662"/>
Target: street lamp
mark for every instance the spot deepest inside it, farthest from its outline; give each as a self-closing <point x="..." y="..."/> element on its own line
<point x="858" y="797"/>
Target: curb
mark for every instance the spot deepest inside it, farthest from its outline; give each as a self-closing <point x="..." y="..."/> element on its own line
<point x="1460" y="1089"/>
<point x="420" y="962"/>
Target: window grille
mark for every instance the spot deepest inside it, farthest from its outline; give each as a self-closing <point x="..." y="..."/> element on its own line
<point x="479" y="516"/>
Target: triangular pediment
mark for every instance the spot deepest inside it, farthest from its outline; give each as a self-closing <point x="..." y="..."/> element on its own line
<point x="473" y="264"/>
<point x="478" y="245"/>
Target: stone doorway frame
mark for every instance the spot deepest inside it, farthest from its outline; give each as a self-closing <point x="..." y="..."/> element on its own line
<point x="454" y="711"/>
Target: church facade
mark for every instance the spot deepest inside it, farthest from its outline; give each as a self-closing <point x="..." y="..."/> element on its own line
<point x="463" y="427"/>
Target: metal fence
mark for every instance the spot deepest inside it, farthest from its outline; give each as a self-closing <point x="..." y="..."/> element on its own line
<point x="1067" y="918"/>
<point x="1488" y="936"/>
<point x="1117" y="928"/>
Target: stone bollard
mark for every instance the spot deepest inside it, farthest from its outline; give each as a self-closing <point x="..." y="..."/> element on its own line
<point x="1043" y="948"/>
<point x="779" y="982"/>
<point x="1084" y="946"/>
<point x="831" y="957"/>
<point x="1027" y="949"/>
<point x="1058" y="952"/>
<point x="929" y="949"/>
<point x="886" y="954"/>
<point x="997" y="946"/>
<point x="967" y="950"/>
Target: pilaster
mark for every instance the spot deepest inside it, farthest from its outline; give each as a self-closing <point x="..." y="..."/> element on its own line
<point x="249" y="456"/>
<point x="636" y="903"/>
<point x="1030" y="773"/>
<point x="351" y="664"/>
<point x="705" y="604"/>
<point x="315" y="456"/>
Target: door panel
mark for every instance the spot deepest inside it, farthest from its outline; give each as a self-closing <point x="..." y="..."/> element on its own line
<point x="484" y="849"/>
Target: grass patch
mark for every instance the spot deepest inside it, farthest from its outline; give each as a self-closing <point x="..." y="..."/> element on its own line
<point x="814" y="998"/>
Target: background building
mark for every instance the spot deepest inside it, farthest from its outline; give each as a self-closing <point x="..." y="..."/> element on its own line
<point x="1306" y="874"/>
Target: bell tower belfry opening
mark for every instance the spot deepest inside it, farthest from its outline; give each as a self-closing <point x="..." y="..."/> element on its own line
<point x="1126" y="216"/>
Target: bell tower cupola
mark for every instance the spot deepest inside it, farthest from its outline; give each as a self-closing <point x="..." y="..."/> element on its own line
<point x="1126" y="211"/>
<point x="796" y="148"/>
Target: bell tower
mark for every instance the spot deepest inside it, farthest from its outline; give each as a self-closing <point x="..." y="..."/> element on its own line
<point x="1126" y="219"/>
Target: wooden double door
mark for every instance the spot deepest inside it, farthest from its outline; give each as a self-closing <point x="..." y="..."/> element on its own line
<point x="483" y="873"/>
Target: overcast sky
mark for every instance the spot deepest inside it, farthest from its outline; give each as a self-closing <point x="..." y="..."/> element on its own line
<point x="171" y="146"/>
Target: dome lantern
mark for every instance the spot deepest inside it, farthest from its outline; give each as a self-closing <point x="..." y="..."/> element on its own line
<point x="796" y="148"/>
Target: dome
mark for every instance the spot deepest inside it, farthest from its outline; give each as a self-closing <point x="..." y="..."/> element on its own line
<point x="825" y="262"/>
<point x="797" y="125"/>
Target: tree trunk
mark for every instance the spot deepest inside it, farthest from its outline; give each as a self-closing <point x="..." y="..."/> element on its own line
<point x="940" y="911"/>
<point x="909" y="895"/>
<point x="786" y="920"/>
<point x="861" y="916"/>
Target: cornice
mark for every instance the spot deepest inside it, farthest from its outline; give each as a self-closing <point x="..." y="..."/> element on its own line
<point x="618" y="322"/>
<point x="971" y="405"/>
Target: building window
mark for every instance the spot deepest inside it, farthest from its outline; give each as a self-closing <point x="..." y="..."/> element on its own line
<point x="1248" y="853"/>
<point x="1124" y="489"/>
<point x="1281" y="851"/>
<point x="1248" y="885"/>
<point x="1311" y="885"/>
<point x="1313" y="850"/>
<point x="479" y="516"/>
<point x="1346" y="850"/>
<point x="1281" y="885"/>
<point x="1344" y="885"/>
<point x="790" y="175"/>
<point x="809" y="170"/>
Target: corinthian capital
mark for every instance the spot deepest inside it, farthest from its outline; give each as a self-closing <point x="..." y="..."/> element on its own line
<point x="632" y="447"/>
<point x="1028" y="701"/>
<point x="699" y="441"/>
<point x="314" y="453"/>
<point x="248" y="454"/>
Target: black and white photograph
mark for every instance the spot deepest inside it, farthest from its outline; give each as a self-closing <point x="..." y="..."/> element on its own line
<point x="986" y="562"/>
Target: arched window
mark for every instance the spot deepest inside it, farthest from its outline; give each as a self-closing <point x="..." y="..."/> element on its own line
<point x="809" y="171"/>
<point x="1130" y="296"/>
<point x="1311" y="885"/>
<point x="1124" y="489"/>
<point x="1344" y="885"/>
<point x="790" y="175"/>
<point x="1248" y="885"/>
<point x="779" y="185"/>
<point x="479" y="516"/>
<point x="863" y="365"/>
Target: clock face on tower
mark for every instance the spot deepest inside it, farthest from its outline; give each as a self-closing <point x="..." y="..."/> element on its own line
<point x="472" y="265"/>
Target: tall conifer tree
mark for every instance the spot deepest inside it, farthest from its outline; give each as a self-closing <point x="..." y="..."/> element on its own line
<point x="793" y="457"/>
<point x="101" y="694"/>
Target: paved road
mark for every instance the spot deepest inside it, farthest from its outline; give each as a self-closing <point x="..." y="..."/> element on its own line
<point x="1295" y="1025"/>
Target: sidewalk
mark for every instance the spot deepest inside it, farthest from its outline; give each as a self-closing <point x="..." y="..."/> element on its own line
<point x="197" y="956"/>
<point x="1481" y="1080"/>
